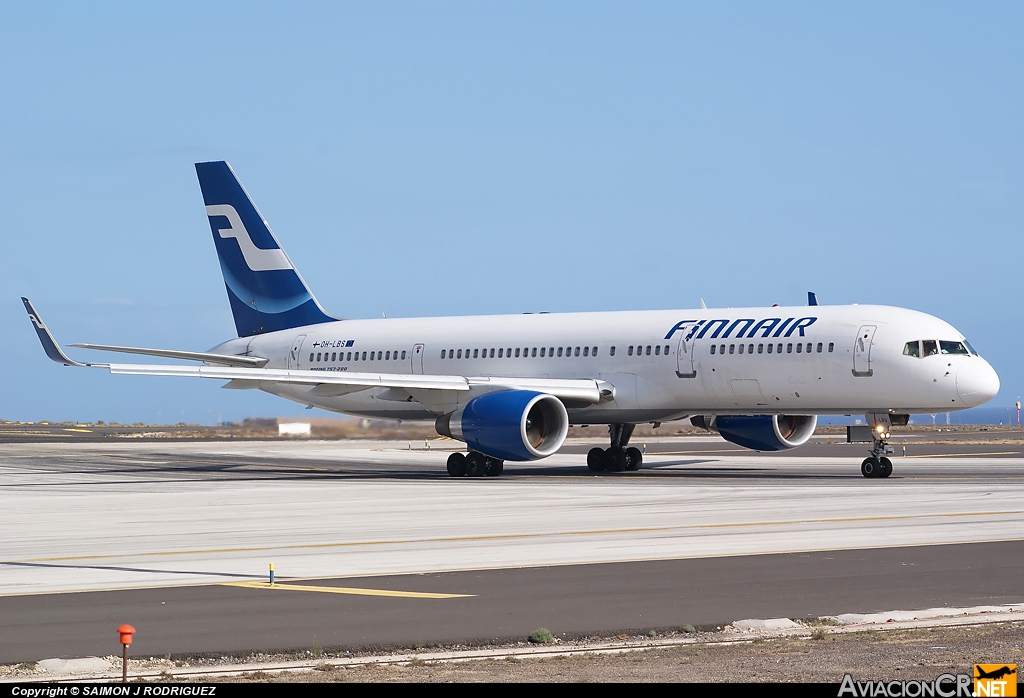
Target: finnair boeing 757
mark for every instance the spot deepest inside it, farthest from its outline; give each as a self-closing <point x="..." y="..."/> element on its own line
<point x="509" y="386"/>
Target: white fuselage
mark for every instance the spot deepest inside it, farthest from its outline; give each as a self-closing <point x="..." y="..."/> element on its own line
<point x="663" y="364"/>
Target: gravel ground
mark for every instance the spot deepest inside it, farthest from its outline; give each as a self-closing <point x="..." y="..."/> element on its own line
<point x="825" y="657"/>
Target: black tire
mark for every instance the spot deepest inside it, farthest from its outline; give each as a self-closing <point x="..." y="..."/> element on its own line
<point x="476" y="464"/>
<point x="870" y="467"/>
<point x="886" y="467"/>
<point x="456" y="465"/>
<point x="494" y="467"/>
<point x="595" y="459"/>
<point x="615" y="460"/>
<point x="634" y="458"/>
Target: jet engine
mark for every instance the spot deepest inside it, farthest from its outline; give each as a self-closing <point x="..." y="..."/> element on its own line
<point x="515" y="425"/>
<point x="776" y="432"/>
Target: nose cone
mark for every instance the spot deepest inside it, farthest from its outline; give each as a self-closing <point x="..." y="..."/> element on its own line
<point x="976" y="382"/>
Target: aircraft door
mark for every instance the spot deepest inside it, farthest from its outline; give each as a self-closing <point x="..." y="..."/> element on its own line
<point x="417" y="359"/>
<point x="862" y="351"/>
<point x="685" y="367"/>
<point x="295" y="354"/>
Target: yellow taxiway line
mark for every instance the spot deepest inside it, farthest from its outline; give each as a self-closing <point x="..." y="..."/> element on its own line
<point x="527" y="536"/>
<point x="347" y="590"/>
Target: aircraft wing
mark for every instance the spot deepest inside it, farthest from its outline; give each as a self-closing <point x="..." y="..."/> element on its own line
<point x="255" y="361"/>
<point x="325" y="382"/>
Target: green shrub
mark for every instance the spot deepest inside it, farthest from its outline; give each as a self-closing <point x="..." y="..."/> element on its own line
<point x="541" y="636"/>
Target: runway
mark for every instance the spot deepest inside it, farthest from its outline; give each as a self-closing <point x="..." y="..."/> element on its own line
<point x="188" y="517"/>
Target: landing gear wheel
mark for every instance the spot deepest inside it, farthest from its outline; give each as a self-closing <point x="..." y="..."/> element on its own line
<point x="595" y="459"/>
<point x="476" y="463"/>
<point x="615" y="460"/>
<point x="886" y="467"/>
<point x="494" y="467"/>
<point x="634" y="458"/>
<point x="456" y="465"/>
<point x="870" y="467"/>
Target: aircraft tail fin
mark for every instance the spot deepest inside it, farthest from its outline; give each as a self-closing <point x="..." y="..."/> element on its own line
<point x="264" y="288"/>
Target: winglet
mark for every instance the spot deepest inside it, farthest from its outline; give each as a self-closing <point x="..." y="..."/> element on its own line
<point x="50" y="345"/>
<point x="812" y="299"/>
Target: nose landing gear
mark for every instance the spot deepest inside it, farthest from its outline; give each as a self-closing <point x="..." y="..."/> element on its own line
<point x="618" y="457"/>
<point x="877" y="465"/>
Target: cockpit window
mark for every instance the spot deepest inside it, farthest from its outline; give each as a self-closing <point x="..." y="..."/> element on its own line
<point x="970" y="348"/>
<point x="912" y="349"/>
<point x="930" y="347"/>
<point x="952" y="347"/>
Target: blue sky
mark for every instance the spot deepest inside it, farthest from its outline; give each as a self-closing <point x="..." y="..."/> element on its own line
<point x="451" y="158"/>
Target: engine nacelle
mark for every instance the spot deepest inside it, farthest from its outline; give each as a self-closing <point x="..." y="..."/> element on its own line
<point x="509" y="424"/>
<point x="777" y="432"/>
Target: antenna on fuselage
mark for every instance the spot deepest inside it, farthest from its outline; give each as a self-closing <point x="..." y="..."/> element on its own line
<point x="812" y="299"/>
<point x="703" y="305"/>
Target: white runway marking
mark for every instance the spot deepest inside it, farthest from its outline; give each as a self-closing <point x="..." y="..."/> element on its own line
<point x="102" y="516"/>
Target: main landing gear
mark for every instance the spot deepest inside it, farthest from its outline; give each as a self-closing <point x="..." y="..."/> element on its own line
<point x="474" y="464"/>
<point x="877" y="465"/>
<point x="618" y="457"/>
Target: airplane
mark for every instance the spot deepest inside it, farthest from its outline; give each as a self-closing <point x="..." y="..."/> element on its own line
<point x="509" y="386"/>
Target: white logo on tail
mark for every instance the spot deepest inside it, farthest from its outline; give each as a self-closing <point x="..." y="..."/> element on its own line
<point x="257" y="259"/>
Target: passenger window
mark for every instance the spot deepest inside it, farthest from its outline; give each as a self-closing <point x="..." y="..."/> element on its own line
<point x="387" y="357"/>
<point x="930" y="347"/>
<point x="819" y="347"/>
<point x="648" y="352"/>
<point x="657" y="350"/>
<point x="460" y="353"/>
<point x="713" y="347"/>
<point x="770" y="347"/>
<point x="501" y="353"/>
<point x="508" y="352"/>
<point x="542" y="352"/>
<point x="443" y="352"/>
<point x="789" y="348"/>
<point x="831" y="346"/>
<point x="593" y="351"/>
<point x="741" y="348"/>
<point x="492" y="353"/>
<point x="586" y="351"/>
<point x="349" y="357"/>
<point x="559" y="352"/>
<point x="666" y="350"/>
<point x="551" y="351"/>
<point x="952" y="347"/>
<point x="577" y="351"/>
<point x="808" y="347"/>
<point x="629" y="350"/>
<point x="732" y="348"/>
<point x="403" y="353"/>
<point x="311" y="358"/>
<point x="721" y="348"/>
<point x="611" y="351"/>
<point x="476" y="353"/>
<point x="533" y="353"/>
<point x="318" y="359"/>
<point x="799" y="348"/>
<point x="517" y="352"/>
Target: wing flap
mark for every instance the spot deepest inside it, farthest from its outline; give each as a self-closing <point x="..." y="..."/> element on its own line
<point x="581" y="390"/>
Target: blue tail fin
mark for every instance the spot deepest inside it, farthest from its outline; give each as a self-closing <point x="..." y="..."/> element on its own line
<point x="265" y="290"/>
